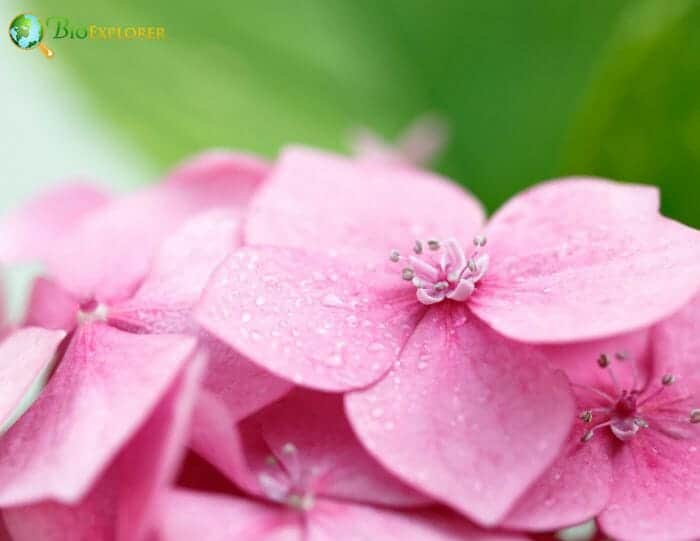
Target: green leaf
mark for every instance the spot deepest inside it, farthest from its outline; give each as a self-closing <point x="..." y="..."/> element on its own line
<point x="508" y="76"/>
<point x="640" y="120"/>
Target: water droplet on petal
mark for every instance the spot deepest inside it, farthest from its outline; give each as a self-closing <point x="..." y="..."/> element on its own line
<point x="334" y="360"/>
<point x="332" y="300"/>
<point x="460" y="320"/>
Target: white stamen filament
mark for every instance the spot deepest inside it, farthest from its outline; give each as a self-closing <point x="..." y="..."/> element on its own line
<point x="632" y="408"/>
<point x="286" y="481"/>
<point x="449" y="274"/>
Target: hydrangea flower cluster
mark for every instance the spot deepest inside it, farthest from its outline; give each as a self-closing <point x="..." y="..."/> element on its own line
<point x="334" y="349"/>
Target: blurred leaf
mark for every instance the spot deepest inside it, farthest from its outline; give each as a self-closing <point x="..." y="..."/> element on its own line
<point x="508" y="76"/>
<point x="640" y="120"/>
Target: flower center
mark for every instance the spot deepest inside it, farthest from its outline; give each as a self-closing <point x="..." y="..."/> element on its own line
<point x="630" y="408"/>
<point x="91" y="311"/>
<point x="440" y="270"/>
<point x="286" y="482"/>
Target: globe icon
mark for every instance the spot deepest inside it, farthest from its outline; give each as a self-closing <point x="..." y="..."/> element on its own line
<point x="26" y="31"/>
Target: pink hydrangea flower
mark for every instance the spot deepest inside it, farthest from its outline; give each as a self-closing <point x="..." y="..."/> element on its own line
<point x="25" y="354"/>
<point x="304" y="476"/>
<point x="419" y="144"/>
<point x="103" y="391"/>
<point x="98" y="247"/>
<point x="356" y="273"/>
<point x="165" y="300"/>
<point x="123" y="502"/>
<point x="632" y="455"/>
<point x="6" y="325"/>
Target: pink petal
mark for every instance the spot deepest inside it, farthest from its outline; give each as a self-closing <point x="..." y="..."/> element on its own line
<point x="581" y="259"/>
<point x="4" y="534"/>
<point x="572" y="491"/>
<point x="335" y="521"/>
<point x="103" y="390"/>
<point x="123" y="503"/>
<point x="163" y="304"/>
<point x="108" y="255"/>
<point x="656" y="492"/>
<point x="4" y="323"/>
<point x="230" y="178"/>
<point x="187" y="515"/>
<point x="330" y="204"/>
<point x="307" y="318"/>
<point x="463" y="406"/>
<point x="215" y="438"/>
<point x="51" y="307"/>
<point x="151" y="460"/>
<point x="676" y="347"/>
<point x="93" y="518"/>
<point x="24" y="354"/>
<point x="580" y="360"/>
<point x="29" y="233"/>
<point x="417" y="146"/>
<point x="242" y="385"/>
<point x="316" y="425"/>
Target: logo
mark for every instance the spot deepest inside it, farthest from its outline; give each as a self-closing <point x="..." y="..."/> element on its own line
<point x="63" y="28"/>
<point x="26" y="33"/>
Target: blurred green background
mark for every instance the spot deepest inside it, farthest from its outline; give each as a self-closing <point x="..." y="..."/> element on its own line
<point x="531" y="89"/>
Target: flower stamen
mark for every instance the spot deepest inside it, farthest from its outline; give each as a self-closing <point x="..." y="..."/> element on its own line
<point x="630" y="409"/>
<point x="449" y="274"/>
<point x="286" y="481"/>
<point x="91" y="311"/>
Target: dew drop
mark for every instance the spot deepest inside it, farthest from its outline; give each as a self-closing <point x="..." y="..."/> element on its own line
<point x="375" y="347"/>
<point x="334" y="360"/>
<point x="246" y="317"/>
<point x="332" y="300"/>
